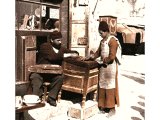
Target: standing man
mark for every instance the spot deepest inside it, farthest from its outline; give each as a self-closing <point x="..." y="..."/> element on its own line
<point x="51" y="52"/>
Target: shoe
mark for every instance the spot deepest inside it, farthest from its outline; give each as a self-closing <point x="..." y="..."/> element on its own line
<point x="107" y="110"/>
<point x="52" y="101"/>
<point x="111" y="113"/>
<point x="101" y="111"/>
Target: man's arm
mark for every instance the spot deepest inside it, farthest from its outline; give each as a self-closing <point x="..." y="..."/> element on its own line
<point x="66" y="50"/>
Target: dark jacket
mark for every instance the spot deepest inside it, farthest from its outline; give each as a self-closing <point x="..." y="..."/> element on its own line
<point x="47" y="55"/>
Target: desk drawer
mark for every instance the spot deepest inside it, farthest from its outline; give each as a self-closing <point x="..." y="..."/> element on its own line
<point x="73" y="80"/>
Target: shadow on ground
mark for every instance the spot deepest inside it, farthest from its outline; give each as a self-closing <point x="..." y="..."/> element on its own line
<point x="76" y="97"/>
<point x="142" y="97"/>
<point x="137" y="79"/>
<point x="135" y="118"/>
<point x="140" y="110"/>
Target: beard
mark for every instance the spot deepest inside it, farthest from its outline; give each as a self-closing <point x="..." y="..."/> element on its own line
<point x="57" y="46"/>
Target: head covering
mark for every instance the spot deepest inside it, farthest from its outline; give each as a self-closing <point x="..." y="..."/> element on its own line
<point x="103" y="26"/>
<point x="55" y="35"/>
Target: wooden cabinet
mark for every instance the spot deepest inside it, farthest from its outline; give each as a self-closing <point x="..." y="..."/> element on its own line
<point x="80" y="77"/>
<point x="112" y="22"/>
<point x="35" y="20"/>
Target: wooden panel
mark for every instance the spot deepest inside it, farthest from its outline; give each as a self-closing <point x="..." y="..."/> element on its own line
<point x="93" y="80"/>
<point x="73" y="80"/>
<point x="33" y="32"/>
<point x="81" y="13"/>
<point x="25" y="56"/>
<point x="69" y="66"/>
<point x="78" y="22"/>
<point x="30" y="55"/>
<point x="46" y="68"/>
<point x="19" y="58"/>
<point x="78" y="30"/>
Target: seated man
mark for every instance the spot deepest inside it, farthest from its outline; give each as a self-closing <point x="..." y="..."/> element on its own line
<point x="51" y="52"/>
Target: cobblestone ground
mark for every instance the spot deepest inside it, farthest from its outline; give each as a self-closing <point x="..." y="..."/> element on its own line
<point x="131" y="91"/>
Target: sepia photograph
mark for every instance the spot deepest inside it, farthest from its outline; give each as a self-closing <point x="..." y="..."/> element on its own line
<point x="79" y="59"/>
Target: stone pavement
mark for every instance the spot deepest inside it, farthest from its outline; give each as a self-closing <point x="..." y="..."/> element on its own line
<point x="131" y="91"/>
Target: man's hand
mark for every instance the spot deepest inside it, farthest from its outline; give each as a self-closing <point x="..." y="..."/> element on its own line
<point x="85" y="58"/>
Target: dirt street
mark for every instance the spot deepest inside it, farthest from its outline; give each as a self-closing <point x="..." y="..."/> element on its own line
<point x="131" y="90"/>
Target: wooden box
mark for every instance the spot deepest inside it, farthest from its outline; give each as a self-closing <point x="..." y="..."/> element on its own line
<point x="112" y="22"/>
<point x="80" y="77"/>
<point x="91" y="108"/>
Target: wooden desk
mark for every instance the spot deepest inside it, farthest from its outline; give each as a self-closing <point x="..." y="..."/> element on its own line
<point x="24" y="108"/>
<point x="46" y="68"/>
<point x="80" y="77"/>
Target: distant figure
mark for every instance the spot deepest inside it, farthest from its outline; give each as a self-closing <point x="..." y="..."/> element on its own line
<point x="56" y="25"/>
<point x="51" y="52"/>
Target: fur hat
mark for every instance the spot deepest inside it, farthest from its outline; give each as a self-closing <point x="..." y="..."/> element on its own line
<point x="103" y="26"/>
<point x="55" y="35"/>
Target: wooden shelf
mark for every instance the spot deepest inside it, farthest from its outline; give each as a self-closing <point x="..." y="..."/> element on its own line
<point x="33" y="32"/>
<point x="41" y="3"/>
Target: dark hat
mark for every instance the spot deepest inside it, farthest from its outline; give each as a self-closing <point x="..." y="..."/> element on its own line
<point x="55" y="35"/>
<point x="103" y="26"/>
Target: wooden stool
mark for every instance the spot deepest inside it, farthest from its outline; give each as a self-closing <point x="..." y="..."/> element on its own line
<point x="45" y="86"/>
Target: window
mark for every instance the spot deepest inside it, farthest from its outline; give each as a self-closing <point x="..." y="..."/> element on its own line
<point x="35" y="15"/>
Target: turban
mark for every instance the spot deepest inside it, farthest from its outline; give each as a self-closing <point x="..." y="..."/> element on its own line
<point x="103" y="26"/>
<point x="55" y="35"/>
